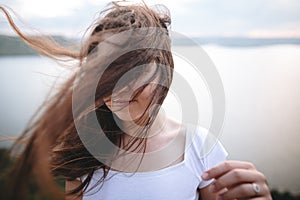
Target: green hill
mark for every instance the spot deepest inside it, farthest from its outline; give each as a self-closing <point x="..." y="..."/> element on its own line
<point x="12" y="45"/>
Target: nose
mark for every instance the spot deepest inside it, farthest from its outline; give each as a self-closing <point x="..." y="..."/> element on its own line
<point x="124" y="93"/>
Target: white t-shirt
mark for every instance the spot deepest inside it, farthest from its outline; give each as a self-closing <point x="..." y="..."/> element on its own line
<point x="179" y="181"/>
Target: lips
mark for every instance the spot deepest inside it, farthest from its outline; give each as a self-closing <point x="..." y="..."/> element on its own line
<point x="123" y="103"/>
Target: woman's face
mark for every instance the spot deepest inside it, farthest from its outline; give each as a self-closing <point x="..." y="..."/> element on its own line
<point x="128" y="106"/>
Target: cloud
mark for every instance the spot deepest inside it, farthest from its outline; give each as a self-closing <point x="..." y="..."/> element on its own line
<point x="49" y="9"/>
<point x="30" y="9"/>
<point x="239" y="18"/>
<point x="190" y="17"/>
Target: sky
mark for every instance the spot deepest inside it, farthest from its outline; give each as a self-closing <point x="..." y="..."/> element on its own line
<point x="209" y="18"/>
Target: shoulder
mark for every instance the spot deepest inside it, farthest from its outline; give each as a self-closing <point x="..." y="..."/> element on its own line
<point x="204" y="151"/>
<point x="196" y="134"/>
<point x="196" y="137"/>
<point x="202" y="140"/>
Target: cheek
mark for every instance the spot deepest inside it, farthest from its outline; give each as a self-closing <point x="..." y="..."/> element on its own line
<point x="146" y="95"/>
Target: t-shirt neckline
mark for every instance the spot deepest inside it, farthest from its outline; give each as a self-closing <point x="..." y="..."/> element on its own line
<point x="162" y="170"/>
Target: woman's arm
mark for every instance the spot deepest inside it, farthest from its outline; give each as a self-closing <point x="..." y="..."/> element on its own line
<point x="70" y="185"/>
<point x="236" y="180"/>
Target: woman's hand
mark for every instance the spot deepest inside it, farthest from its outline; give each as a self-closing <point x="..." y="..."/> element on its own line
<point x="237" y="180"/>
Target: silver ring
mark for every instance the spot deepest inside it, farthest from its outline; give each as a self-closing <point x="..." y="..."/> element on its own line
<point x="256" y="188"/>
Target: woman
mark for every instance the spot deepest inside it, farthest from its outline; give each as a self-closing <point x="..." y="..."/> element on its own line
<point x="102" y="132"/>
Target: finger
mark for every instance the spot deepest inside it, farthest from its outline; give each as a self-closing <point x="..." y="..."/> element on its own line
<point x="224" y="167"/>
<point x="262" y="198"/>
<point x="235" y="177"/>
<point x="242" y="191"/>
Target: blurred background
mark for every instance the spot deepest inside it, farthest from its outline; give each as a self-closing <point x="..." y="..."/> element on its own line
<point x="255" y="46"/>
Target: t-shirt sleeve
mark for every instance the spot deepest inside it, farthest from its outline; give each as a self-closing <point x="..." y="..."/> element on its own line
<point x="216" y="156"/>
<point x="212" y="153"/>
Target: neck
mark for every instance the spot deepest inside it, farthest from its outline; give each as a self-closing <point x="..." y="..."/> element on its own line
<point x="156" y="127"/>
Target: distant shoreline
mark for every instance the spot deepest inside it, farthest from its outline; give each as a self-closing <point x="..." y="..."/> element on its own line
<point x="236" y="41"/>
<point x="12" y="45"/>
<point x="15" y="46"/>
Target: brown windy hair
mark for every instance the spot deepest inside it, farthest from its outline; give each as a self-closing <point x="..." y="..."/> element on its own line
<point x="51" y="146"/>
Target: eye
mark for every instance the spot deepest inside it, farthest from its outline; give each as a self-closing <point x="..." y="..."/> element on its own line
<point x="99" y="28"/>
<point x="92" y="47"/>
